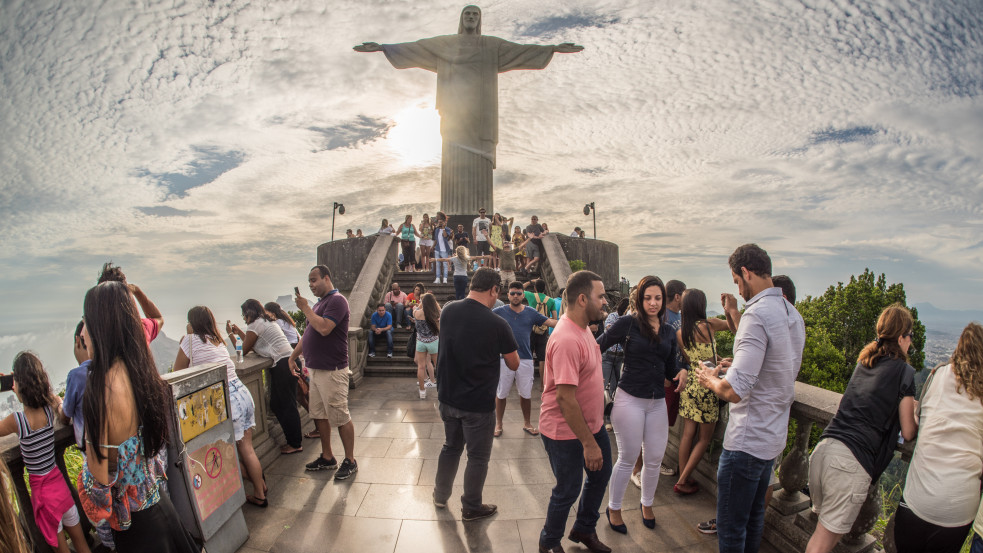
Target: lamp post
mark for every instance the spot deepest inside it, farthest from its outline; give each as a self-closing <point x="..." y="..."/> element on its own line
<point x="339" y="208"/>
<point x="588" y="209"/>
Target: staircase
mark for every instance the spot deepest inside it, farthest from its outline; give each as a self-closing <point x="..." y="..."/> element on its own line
<point x="400" y="364"/>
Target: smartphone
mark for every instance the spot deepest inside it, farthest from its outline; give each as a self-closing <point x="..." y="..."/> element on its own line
<point x="709" y="364"/>
<point x="297" y="290"/>
<point x="6" y="382"/>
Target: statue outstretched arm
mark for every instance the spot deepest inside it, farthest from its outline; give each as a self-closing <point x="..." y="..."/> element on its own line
<point x="567" y="48"/>
<point x="368" y="47"/>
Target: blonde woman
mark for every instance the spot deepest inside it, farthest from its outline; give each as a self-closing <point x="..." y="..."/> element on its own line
<point x="461" y="261"/>
<point x="942" y="492"/>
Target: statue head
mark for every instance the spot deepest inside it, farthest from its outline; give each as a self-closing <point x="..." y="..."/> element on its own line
<point x="470" y="21"/>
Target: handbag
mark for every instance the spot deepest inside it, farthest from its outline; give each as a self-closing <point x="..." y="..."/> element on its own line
<point x="411" y="344"/>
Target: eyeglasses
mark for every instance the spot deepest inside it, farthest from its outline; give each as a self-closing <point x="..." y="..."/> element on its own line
<point x="906" y="335"/>
<point x="515" y="293"/>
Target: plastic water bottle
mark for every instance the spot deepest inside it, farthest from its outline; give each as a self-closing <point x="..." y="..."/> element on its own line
<point x="238" y="349"/>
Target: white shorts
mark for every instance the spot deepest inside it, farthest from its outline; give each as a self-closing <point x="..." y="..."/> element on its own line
<point x="522" y="377"/>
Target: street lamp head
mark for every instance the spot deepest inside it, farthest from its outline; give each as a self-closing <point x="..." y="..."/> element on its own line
<point x="587" y="209"/>
<point x="341" y="209"/>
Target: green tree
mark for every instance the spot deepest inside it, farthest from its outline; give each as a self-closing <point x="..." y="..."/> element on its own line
<point x="299" y="318"/>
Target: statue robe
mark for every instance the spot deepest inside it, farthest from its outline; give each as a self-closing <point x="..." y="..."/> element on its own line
<point x="467" y="100"/>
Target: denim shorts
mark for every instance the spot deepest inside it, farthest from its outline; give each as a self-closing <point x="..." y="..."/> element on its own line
<point x="427" y="347"/>
<point x="243" y="408"/>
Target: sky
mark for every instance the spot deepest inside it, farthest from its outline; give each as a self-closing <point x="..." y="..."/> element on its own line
<point x="200" y="144"/>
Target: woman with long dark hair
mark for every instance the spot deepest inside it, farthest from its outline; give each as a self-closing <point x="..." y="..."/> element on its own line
<point x="942" y="492"/>
<point x="639" y="414"/>
<point x="407" y="241"/>
<point x="698" y="406"/>
<point x="51" y="501"/>
<point x="286" y="323"/>
<point x="126" y="410"/>
<point x="265" y="336"/>
<point x="427" y="316"/>
<point x="204" y="344"/>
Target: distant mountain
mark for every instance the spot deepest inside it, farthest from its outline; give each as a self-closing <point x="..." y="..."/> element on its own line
<point x="287" y="303"/>
<point x="948" y="321"/>
<point x="165" y="351"/>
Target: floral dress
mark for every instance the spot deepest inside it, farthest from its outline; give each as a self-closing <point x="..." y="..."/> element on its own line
<point x="495" y="237"/>
<point x="697" y="403"/>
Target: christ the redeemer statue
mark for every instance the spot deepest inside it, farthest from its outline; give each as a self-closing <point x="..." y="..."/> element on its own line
<point x="467" y="66"/>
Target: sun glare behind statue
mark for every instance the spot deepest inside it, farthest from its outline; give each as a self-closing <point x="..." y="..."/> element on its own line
<point x="416" y="135"/>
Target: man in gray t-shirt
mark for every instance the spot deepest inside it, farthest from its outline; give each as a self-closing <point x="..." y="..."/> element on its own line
<point x="760" y="385"/>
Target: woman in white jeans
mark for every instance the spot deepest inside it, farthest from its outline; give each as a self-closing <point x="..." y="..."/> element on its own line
<point x="639" y="414"/>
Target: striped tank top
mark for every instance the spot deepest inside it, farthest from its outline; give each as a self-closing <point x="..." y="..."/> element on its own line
<point x="37" y="447"/>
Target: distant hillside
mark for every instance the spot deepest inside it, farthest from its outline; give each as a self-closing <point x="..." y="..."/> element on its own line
<point x="287" y="303"/>
<point x="165" y="351"/>
<point x="948" y="321"/>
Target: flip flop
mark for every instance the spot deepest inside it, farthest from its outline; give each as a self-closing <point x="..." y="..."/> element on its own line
<point x="312" y="435"/>
<point x="264" y="503"/>
<point x="531" y="431"/>
<point x="497" y="433"/>
<point x="284" y="452"/>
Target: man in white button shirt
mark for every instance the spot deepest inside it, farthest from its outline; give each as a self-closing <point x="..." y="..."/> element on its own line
<point x="760" y="385"/>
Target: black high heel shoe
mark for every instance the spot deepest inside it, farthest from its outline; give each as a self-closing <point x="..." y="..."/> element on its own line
<point x="620" y="528"/>
<point x="648" y="522"/>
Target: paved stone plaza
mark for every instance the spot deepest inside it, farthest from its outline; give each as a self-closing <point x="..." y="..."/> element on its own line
<point x="386" y="506"/>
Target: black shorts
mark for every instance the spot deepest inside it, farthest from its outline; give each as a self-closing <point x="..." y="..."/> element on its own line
<point x="537" y="343"/>
<point x="483" y="247"/>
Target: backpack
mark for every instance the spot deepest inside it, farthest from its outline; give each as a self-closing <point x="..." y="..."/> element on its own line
<point x="543" y="309"/>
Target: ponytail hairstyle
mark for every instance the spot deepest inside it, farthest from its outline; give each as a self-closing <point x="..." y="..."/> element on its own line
<point x="967" y="361"/>
<point x="431" y="312"/>
<point x="117" y="336"/>
<point x="462" y="254"/>
<point x="277" y="311"/>
<point x="894" y="322"/>
<point x="637" y="299"/>
<point x="693" y="312"/>
<point x="203" y="325"/>
<point x="33" y="385"/>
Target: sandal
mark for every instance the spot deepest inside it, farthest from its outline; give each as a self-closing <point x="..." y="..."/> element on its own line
<point x="685" y="489"/>
<point x="531" y="430"/>
<point x="497" y="433"/>
<point x="312" y="435"/>
<point x="287" y="450"/>
<point x="264" y="503"/>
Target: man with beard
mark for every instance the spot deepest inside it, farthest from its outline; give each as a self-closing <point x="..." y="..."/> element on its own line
<point x="572" y="418"/>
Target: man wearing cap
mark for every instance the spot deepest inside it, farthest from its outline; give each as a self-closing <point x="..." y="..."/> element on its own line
<point x="480" y="229"/>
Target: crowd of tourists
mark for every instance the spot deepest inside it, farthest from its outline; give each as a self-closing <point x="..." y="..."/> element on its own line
<point x="630" y="369"/>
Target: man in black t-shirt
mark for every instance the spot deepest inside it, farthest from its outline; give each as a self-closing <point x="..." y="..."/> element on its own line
<point x="461" y="238"/>
<point x="534" y="248"/>
<point x="472" y="340"/>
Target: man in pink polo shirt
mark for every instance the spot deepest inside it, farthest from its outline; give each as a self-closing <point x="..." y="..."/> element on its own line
<point x="572" y="418"/>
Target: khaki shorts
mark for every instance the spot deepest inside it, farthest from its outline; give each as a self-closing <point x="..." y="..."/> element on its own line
<point x="838" y="485"/>
<point x="329" y="396"/>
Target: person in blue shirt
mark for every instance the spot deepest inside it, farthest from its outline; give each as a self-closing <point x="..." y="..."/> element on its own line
<point x="521" y="319"/>
<point x="75" y="387"/>
<point x="382" y="323"/>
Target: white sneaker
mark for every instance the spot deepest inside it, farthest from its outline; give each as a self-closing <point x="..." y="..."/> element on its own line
<point x="371" y="354"/>
<point x="423" y="394"/>
<point x="436" y="281"/>
<point x="445" y="280"/>
<point x="429" y="384"/>
<point x="636" y="479"/>
<point x="389" y="355"/>
<point x="666" y="471"/>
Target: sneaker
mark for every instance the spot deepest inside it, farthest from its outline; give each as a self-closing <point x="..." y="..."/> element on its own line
<point x="347" y="469"/>
<point x="481" y="512"/>
<point x="371" y="354"/>
<point x="708" y="527"/>
<point x="445" y="281"/>
<point x="423" y="394"/>
<point x="439" y="504"/>
<point x="389" y="355"/>
<point x="429" y="384"/>
<point x="436" y="281"/>
<point x="636" y="479"/>
<point x="667" y="471"/>
<point x="322" y="463"/>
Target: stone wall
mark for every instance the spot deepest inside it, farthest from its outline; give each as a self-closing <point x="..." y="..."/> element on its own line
<point x="345" y="258"/>
<point x="600" y="256"/>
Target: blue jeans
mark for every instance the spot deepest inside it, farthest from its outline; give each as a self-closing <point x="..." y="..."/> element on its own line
<point x="460" y="286"/>
<point x="443" y="266"/>
<point x="464" y="428"/>
<point x="389" y="340"/>
<point x="397" y="311"/>
<point x="567" y="462"/>
<point x="742" y="480"/>
<point x="977" y="545"/>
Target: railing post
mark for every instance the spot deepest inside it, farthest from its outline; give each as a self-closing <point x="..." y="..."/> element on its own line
<point x="793" y="473"/>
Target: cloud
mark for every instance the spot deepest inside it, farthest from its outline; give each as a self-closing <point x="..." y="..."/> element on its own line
<point x="208" y="164"/>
